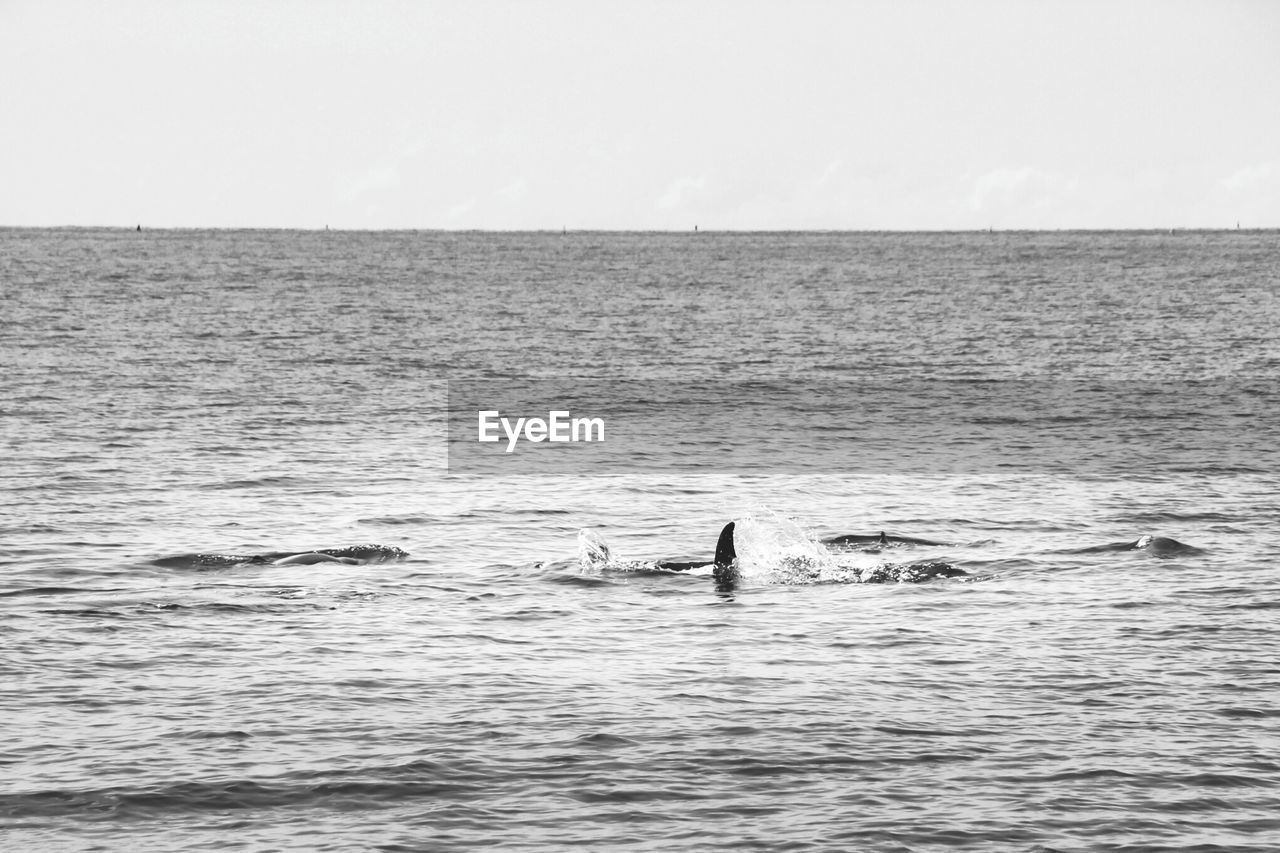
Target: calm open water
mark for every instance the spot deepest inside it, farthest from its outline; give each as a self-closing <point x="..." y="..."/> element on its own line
<point x="173" y="399"/>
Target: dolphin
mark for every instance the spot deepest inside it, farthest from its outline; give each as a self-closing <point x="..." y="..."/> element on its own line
<point x="1157" y="546"/>
<point x="725" y="555"/>
<point x="1163" y="546"/>
<point x="726" y="574"/>
<point x="308" y="558"/>
<point x="879" y="539"/>
<point x="595" y="554"/>
<point x="352" y="555"/>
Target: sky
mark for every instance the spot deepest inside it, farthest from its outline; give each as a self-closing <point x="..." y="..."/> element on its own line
<point x="645" y="115"/>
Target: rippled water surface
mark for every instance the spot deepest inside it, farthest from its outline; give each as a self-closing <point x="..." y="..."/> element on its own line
<point x="177" y="402"/>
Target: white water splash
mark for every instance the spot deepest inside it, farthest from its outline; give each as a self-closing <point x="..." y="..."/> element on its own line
<point x="776" y="550"/>
<point x="772" y="549"/>
<point x="593" y="553"/>
<point x="595" y="556"/>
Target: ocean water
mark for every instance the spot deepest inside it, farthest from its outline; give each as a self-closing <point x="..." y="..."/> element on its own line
<point x="177" y="402"/>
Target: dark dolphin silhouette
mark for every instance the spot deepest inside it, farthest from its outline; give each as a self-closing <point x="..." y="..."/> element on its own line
<point x="726" y="562"/>
<point x="353" y="555"/>
<point x="880" y="538"/>
<point x="1157" y="546"/>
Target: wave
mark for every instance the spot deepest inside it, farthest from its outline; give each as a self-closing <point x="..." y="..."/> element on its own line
<point x="420" y="779"/>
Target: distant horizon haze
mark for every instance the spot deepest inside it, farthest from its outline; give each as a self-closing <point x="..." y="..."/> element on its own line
<point x="731" y="116"/>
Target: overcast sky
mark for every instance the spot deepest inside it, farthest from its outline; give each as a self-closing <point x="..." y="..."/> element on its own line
<point x="726" y="114"/>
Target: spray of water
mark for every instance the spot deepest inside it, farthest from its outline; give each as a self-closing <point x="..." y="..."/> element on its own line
<point x="772" y="549"/>
<point x="593" y="553"/>
<point x="595" y="556"/>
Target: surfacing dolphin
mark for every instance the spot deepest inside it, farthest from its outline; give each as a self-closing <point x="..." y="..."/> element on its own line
<point x="727" y="572"/>
<point x="726" y="569"/>
<point x="1157" y="546"/>
<point x="881" y="539"/>
<point x="352" y="555"/>
<point x="307" y="558"/>
<point x="595" y="554"/>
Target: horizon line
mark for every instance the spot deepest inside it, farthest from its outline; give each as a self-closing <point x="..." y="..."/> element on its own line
<point x="696" y="230"/>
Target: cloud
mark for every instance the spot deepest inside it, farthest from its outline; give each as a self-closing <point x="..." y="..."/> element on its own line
<point x="460" y="215"/>
<point x="374" y="180"/>
<point x="1251" y="179"/>
<point x="1250" y="194"/>
<point x="681" y="191"/>
<point x="513" y="193"/>
<point x="1020" y="190"/>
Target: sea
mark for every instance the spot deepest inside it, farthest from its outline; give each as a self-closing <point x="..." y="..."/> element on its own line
<point x="263" y="587"/>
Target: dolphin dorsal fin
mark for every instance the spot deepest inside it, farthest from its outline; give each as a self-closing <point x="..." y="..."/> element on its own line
<point x="725" y="553"/>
